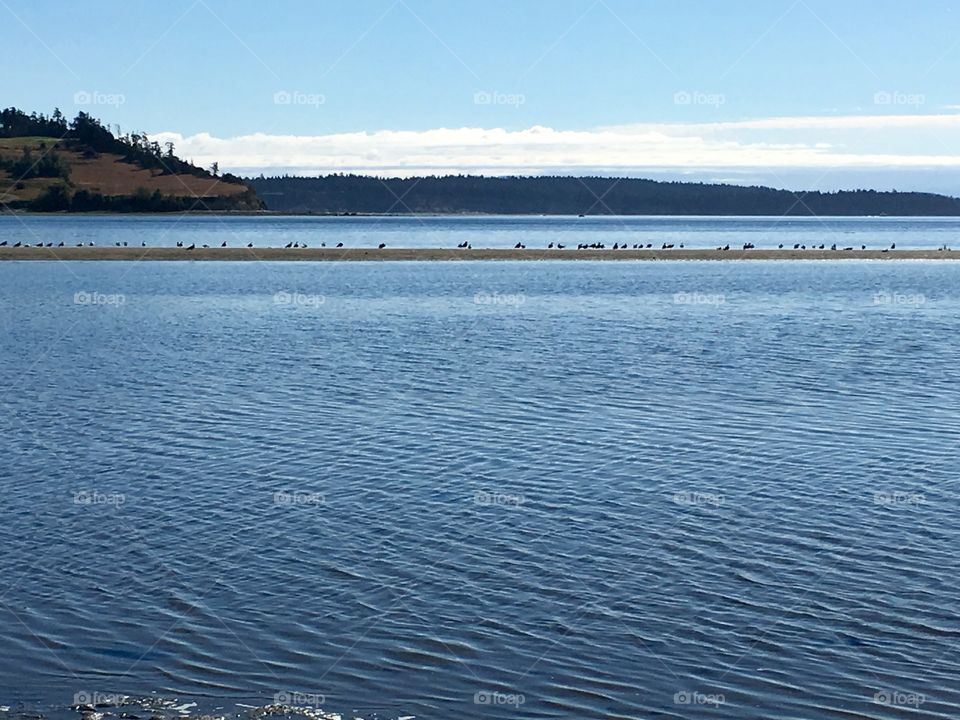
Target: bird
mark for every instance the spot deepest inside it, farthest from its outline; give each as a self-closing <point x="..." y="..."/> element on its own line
<point x="117" y="244"/>
<point x="550" y="246"/>
<point x="4" y="243"/>
<point x="143" y="244"/>
<point x="59" y="245"/>
<point x="179" y="243"/>
<point x="124" y="243"/>
<point x="796" y="246"/>
<point x="381" y="246"/>
<point x="559" y="246"/>
<point x="17" y="245"/>
<point x="339" y="244"/>
<point x="863" y="247"/>
<point x="249" y="245"/>
<point x="893" y="246"/>
<point x="192" y="246"/>
<point x="289" y="245"/>
<point x="517" y="246"/>
<point x="780" y="246"/>
<point x="223" y="244"/>
<point x="205" y="245"/>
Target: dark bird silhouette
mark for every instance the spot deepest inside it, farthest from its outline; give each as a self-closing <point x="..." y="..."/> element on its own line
<point x="192" y="246"/>
<point x="143" y="244"/>
<point x="381" y="246"/>
<point x="59" y="245"/>
<point x="560" y="247"/>
<point x="124" y="243"/>
<point x="4" y="243"/>
<point x="289" y="245"/>
<point x="780" y="246"/>
<point x="223" y="244"/>
<point x="339" y="244"/>
<point x="893" y="246"/>
<point x="249" y="245"/>
<point x="17" y="245"/>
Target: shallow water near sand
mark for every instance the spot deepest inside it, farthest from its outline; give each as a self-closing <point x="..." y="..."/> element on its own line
<point x="469" y="490"/>
<point x="422" y="231"/>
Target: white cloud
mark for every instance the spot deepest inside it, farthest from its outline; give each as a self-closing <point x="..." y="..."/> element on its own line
<point x="854" y="142"/>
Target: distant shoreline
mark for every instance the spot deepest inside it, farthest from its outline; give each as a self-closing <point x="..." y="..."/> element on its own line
<point x="442" y="254"/>
<point x="414" y="216"/>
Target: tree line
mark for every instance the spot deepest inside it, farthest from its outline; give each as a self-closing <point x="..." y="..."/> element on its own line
<point x="563" y="195"/>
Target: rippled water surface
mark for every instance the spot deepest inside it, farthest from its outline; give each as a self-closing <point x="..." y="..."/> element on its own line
<point x="480" y="231"/>
<point x="483" y="490"/>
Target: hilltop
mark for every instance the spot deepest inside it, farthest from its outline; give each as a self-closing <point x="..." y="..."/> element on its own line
<point x="563" y="195"/>
<point x="48" y="164"/>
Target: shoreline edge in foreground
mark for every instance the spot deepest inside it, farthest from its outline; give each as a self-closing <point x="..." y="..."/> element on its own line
<point x="440" y="254"/>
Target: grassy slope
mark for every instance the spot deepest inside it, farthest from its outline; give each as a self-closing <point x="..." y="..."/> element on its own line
<point x="105" y="174"/>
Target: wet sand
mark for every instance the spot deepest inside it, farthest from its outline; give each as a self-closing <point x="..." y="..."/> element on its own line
<point x="434" y="254"/>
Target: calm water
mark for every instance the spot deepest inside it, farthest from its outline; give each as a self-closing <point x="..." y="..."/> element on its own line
<point x="481" y="232"/>
<point x="482" y="490"/>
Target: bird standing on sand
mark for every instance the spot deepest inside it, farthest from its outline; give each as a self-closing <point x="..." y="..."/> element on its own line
<point x="192" y="246"/>
<point x="223" y="244"/>
<point x="381" y="246"/>
<point x="4" y="243"/>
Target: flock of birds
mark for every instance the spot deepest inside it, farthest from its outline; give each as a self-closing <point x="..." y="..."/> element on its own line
<point x="468" y="246"/>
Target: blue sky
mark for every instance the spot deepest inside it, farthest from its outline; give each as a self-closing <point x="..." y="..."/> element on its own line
<point x="374" y="84"/>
